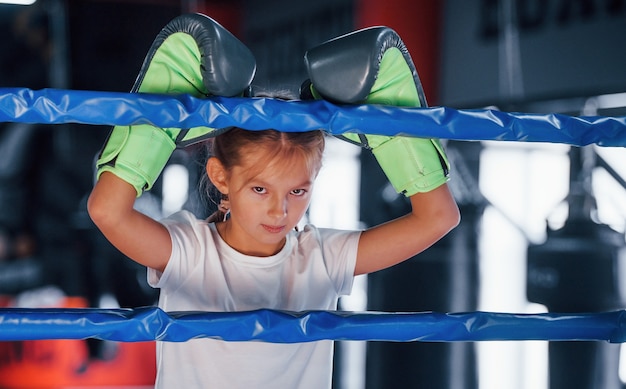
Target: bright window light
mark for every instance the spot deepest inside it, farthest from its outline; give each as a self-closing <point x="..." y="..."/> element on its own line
<point x="175" y="188"/>
<point x="19" y="2"/>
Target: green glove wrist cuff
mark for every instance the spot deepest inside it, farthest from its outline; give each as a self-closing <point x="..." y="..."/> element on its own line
<point x="138" y="159"/>
<point x="413" y="165"/>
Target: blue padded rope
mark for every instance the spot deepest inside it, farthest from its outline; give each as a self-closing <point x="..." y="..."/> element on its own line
<point x="151" y="323"/>
<point x="55" y="106"/>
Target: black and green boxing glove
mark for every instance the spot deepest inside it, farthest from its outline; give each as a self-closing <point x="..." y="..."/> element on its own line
<point x="195" y="55"/>
<point x="373" y="66"/>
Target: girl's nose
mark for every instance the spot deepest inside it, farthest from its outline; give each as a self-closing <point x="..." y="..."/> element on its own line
<point x="278" y="208"/>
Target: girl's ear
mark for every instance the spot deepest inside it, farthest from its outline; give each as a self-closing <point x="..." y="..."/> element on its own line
<point x="217" y="174"/>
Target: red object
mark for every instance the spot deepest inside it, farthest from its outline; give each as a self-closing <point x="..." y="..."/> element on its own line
<point x="226" y="13"/>
<point x="55" y="364"/>
<point x="418" y="22"/>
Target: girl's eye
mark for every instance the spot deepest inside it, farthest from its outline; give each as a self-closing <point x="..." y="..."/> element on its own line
<point x="258" y="189"/>
<point x="298" y="192"/>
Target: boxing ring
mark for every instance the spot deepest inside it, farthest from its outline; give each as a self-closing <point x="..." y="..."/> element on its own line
<point x="55" y="106"/>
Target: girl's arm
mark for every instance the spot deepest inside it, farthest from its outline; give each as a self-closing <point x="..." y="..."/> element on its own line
<point x="192" y="55"/>
<point x="373" y="66"/>
<point x="136" y="235"/>
<point x="433" y="215"/>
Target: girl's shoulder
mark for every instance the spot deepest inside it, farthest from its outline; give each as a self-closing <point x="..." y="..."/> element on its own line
<point x="325" y="235"/>
<point x="185" y="222"/>
<point x="183" y="216"/>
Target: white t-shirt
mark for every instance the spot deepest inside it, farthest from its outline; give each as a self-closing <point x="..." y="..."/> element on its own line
<point x="313" y="269"/>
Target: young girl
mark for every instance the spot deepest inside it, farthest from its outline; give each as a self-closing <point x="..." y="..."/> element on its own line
<point x="255" y="258"/>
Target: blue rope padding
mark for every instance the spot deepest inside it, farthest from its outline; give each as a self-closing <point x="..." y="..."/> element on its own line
<point x="151" y="323"/>
<point x="55" y="106"/>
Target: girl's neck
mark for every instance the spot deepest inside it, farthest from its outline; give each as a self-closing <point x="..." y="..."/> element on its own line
<point x="229" y="236"/>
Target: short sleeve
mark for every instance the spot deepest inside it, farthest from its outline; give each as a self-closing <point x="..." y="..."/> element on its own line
<point x="187" y="246"/>
<point x="340" y="251"/>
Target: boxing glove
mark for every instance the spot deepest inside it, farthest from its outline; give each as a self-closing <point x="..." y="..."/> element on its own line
<point x="195" y="55"/>
<point x="373" y="66"/>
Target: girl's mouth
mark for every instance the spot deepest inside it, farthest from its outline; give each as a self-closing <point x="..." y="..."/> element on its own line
<point x="273" y="229"/>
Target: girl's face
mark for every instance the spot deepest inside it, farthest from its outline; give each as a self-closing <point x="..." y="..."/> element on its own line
<point x="265" y="204"/>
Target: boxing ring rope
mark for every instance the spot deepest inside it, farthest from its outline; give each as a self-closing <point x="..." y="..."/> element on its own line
<point x="57" y="106"/>
<point x="151" y="323"/>
<point x="54" y="106"/>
